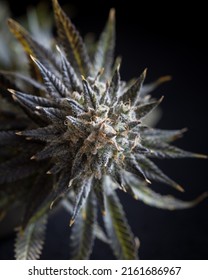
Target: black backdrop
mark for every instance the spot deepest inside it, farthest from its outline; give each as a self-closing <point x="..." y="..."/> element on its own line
<point x="168" y="39"/>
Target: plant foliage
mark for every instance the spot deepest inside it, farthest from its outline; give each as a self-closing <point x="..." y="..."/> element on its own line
<point x="75" y="132"/>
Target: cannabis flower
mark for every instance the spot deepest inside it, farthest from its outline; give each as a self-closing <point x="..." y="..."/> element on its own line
<point x="79" y="137"/>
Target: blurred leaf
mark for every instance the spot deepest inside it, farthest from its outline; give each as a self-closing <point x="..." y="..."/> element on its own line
<point x="81" y="194"/>
<point x="142" y="110"/>
<point x="133" y="91"/>
<point x="163" y="150"/>
<point x="153" y="172"/>
<point x="38" y="199"/>
<point x="17" y="168"/>
<point x="70" y="78"/>
<point x="114" y="86"/>
<point x="71" y="41"/>
<point x="103" y="57"/>
<point x="118" y="230"/>
<point x="32" y="47"/>
<point x="168" y="202"/>
<point x="162" y="135"/>
<point x="29" y="243"/>
<point x="55" y="87"/>
<point x="147" y="88"/>
<point x="82" y="235"/>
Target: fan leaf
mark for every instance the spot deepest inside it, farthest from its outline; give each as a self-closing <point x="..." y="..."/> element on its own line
<point x="81" y="192"/>
<point x="153" y="172"/>
<point x="114" y="86"/>
<point x="70" y="78"/>
<point x="103" y="57"/>
<point x="118" y="230"/>
<point x="147" y="88"/>
<point x="143" y="110"/>
<point x="29" y="243"/>
<point x="167" y="202"/>
<point x="32" y="47"/>
<point x="164" y="150"/>
<point x="83" y="235"/>
<point x="71" y="41"/>
<point x="133" y="92"/>
<point x="162" y="135"/>
<point x="54" y="86"/>
<point x="38" y="199"/>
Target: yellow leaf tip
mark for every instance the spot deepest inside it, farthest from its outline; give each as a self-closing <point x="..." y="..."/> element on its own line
<point x="161" y="99"/>
<point x="201" y="156"/>
<point x="179" y="188"/>
<point x="51" y="205"/>
<point x="185" y="129"/>
<point x="164" y="79"/>
<point x="71" y="222"/>
<point x="112" y="14"/>
<point x="137" y="242"/>
<point x="18" y="133"/>
<point x="70" y="183"/>
<point x="10" y="21"/>
<point x="55" y="2"/>
<point x="148" y="181"/>
<point x="11" y="90"/>
<point x="58" y="49"/>
<point x="145" y="70"/>
<point x="33" y="157"/>
<point x="33" y="58"/>
<point x="200" y="198"/>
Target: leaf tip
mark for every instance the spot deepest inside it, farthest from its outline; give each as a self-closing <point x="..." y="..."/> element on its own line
<point x="33" y="58"/>
<point x="161" y="99"/>
<point x="137" y="242"/>
<point x="179" y="188"/>
<point x="100" y="73"/>
<point x="11" y="23"/>
<point x="12" y="91"/>
<point x="71" y="183"/>
<point x="144" y="74"/>
<point x="185" y="129"/>
<point x="58" y="49"/>
<point x="71" y="222"/>
<point x="135" y="197"/>
<point x="201" y="156"/>
<point x="148" y="181"/>
<point x="9" y="20"/>
<point x="112" y="14"/>
<point x="83" y="78"/>
<point x="51" y="205"/>
<point x="55" y="2"/>
<point x="164" y="79"/>
<point x="33" y="157"/>
<point x="19" y="133"/>
<point x="200" y="198"/>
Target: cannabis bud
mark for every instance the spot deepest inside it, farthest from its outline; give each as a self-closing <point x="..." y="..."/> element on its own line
<point x="76" y="134"/>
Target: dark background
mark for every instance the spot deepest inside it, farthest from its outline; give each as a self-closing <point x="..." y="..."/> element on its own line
<point x="168" y="39"/>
